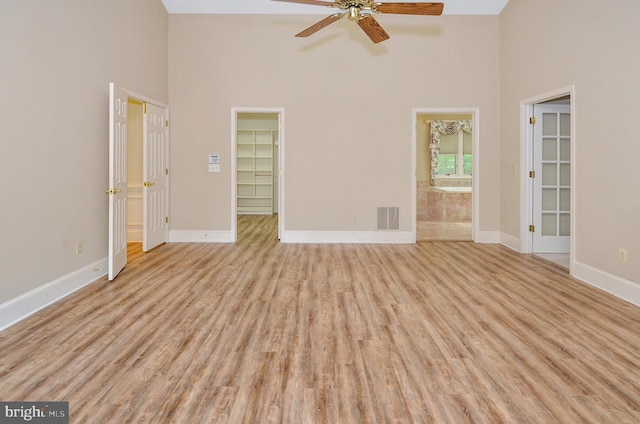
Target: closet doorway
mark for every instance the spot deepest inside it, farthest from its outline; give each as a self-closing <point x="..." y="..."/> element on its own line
<point x="258" y="152"/>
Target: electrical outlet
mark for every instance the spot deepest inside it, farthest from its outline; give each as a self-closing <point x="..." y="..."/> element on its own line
<point x="78" y="248"/>
<point x="623" y="255"/>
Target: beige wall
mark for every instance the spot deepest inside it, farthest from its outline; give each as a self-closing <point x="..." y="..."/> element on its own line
<point x="56" y="62"/>
<point x="348" y="110"/>
<point x="547" y="45"/>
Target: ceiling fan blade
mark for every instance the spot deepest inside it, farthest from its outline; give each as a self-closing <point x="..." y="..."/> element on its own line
<point x="311" y="2"/>
<point x="372" y="28"/>
<point x="410" y="8"/>
<point x="319" y="25"/>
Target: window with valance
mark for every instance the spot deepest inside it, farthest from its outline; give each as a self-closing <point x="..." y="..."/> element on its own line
<point x="450" y="149"/>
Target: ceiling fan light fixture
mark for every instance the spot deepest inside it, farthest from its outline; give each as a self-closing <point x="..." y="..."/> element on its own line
<point x="354" y="14"/>
<point x="353" y="9"/>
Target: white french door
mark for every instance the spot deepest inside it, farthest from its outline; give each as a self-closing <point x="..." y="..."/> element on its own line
<point x="117" y="190"/>
<point x="552" y="179"/>
<point x="155" y="176"/>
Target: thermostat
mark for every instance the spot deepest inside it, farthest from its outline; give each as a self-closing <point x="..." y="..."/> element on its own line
<point x="214" y="158"/>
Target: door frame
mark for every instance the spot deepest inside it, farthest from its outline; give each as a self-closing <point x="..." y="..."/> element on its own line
<point x="557" y="244"/>
<point x="526" y="165"/>
<point x="145" y="99"/>
<point x="234" y="161"/>
<point x="142" y="98"/>
<point x="475" y="176"/>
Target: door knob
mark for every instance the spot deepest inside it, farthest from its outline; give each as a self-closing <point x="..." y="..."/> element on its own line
<point x="149" y="183"/>
<point x="112" y="191"/>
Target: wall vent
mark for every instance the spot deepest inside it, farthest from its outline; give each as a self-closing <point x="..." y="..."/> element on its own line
<point x="388" y="218"/>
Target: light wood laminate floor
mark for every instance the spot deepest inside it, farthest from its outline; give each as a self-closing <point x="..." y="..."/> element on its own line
<point x="263" y="332"/>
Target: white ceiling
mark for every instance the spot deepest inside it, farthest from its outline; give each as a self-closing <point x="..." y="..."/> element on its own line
<point x="451" y="7"/>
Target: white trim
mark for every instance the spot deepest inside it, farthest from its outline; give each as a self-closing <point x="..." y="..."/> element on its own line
<point x="526" y="165"/>
<point x="281" y="165"/>
<point x="414" y="176"/>
<point x="475" y="177"/>
<point x="201" y="236"/>
<point x="134" y="232"/>
<point x="320" y="237"/>
<point x="510" y="241"/>
<point x="357" y="237"/>
<point x="486" y="237"/>
<point x="617" y="286"/>
<point x="142" y="98"/>
<point x="19" y="308"/>
<point x="145" y="99"/>
<point x="526" y="161"/>
<point x="624" y="289"/>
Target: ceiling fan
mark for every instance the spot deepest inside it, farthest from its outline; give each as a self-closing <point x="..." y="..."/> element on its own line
<point x="354" y="8"/>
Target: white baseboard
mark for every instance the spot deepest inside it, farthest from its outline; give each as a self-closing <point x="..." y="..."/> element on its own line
<point x="487" y="237"/>
<point x="510" y="241"/>
<point x="200" y="236"/>
<point x="26" y="304"/>
<point x="322" y="237"/>
<point x="134" y="235"/>
<point x="617" y="286"/>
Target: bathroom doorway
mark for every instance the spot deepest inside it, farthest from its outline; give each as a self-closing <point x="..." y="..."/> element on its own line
<point x="446" y="168"/>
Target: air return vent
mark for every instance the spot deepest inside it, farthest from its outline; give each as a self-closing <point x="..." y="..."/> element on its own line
<point x="388" y="218"/>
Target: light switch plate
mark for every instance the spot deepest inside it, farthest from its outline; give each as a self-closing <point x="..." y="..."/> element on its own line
<point x="214" y="167"/>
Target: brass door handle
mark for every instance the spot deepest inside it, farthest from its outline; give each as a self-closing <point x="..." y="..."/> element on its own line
<point x="113" y="191"/>
<point x="149" y="183"/>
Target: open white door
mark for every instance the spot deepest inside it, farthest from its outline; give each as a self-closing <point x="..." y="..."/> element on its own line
<point x="154" y="174"/>
<point x="552" y="178"/>
<point x="117" y="190"/>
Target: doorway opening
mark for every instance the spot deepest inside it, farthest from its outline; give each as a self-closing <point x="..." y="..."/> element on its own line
<point x="135" y="215"/>
<point x="258" y="151"/>
<point x="548" y="159"/>
<point x="146" y="160"/>
<point x="446" y="142"/>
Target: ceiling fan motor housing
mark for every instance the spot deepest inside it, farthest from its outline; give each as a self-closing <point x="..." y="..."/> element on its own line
<point x="353" y="10"/>
<point x="354" y="14"/>
<point x="355" y="4"/>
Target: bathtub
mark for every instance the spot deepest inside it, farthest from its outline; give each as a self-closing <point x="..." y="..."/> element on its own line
<point x="436" y="203"/>
<point x="454" y="189"/>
